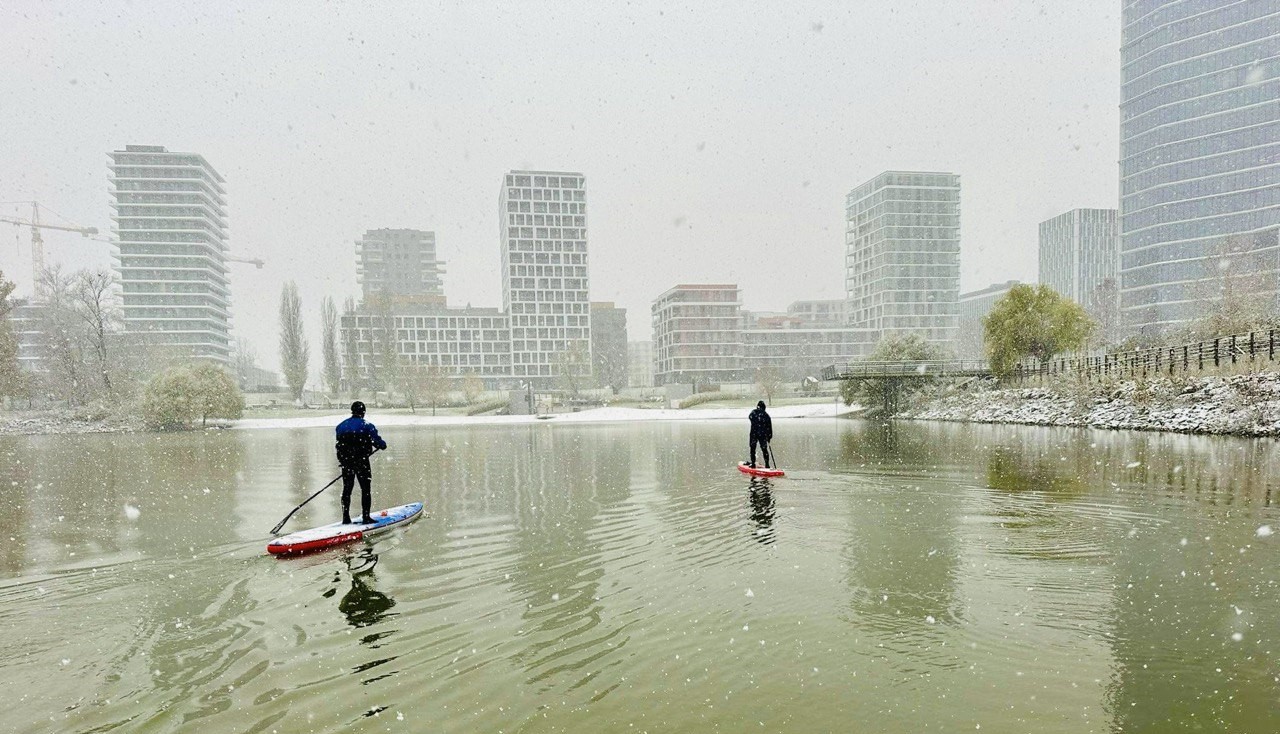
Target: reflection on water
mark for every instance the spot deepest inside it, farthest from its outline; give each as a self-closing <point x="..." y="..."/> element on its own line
<point x="600" y="578"/>
<point x="763" y="508"/>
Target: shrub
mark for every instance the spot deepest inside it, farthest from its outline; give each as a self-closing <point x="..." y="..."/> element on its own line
<point x="179" y="396"/>
<point x="708" y="397"/>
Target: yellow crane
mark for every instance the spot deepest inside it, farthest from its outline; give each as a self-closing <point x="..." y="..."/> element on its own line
<point x="37" y="241"/>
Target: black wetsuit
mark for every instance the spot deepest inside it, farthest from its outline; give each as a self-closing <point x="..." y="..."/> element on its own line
<point x="761" y="433"/>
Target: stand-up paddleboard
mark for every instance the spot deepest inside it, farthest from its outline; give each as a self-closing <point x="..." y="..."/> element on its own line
<point x="759" y="471"/>
<point x="327" y="536"/>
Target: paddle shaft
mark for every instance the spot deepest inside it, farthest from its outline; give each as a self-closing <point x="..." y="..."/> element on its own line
<point x="280" y="524"/>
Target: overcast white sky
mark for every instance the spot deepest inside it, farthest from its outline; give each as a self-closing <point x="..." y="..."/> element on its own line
<point x="718" y="139"/>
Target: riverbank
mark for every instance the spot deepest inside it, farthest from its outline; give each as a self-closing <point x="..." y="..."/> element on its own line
<point x="1236" y="405"/>
<point x="54" y="422"/>
<point x="594" y="415"/>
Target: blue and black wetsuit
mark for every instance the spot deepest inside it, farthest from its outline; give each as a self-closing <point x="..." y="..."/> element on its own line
<point x="356" y="440"/>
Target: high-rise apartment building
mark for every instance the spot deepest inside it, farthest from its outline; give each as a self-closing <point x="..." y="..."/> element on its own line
<point x="543" y="217"/>
<point x="902" y="254"/>
<point x="697" y="334"/>
<point x="609" y="344"/>
<point x="1080" y="256"/>
<point x="1199" y="154"/>
<point x="170" y="221"/>
<point x="401" y="265"/>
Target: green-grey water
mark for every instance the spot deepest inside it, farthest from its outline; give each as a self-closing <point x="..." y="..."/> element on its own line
<point x="903" y="578"/>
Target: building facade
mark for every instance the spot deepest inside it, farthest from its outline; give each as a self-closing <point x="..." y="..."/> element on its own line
<point x="974" y="307"/>
<point x="170" y="222"/>
<point x="701" y="335"/>
<point x="1199" y="154"/>
<point x="640" y="361"/>
<point x="400" y="264"/>
<point x="609" y="365"/>
<point x="460" y="341"/>
<point x="824" y="313"/>
<point x="697" y="334"/>
<point x="902" y="254"/>
<point x="1079" y="251"/>
<point x="543" y="217"/>
<point x="795" y="351"/>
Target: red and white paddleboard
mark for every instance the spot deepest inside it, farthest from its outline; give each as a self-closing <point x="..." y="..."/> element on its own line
<point x="759" y="471"/>
<point x="327" y="536"/>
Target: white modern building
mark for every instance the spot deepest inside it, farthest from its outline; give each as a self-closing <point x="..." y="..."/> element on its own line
<point x="1079" y="252"/>
<point x="798" y="349"/>
<point x="902" y="254"/>
<point x="825" y="313"/>
<point x="461" y="341"/>
<point x="400" y="264"/>
<point x="697" y="334"/>
<point x="1199" y="155"/>
<point x="543" y="217"/>
<point x="170" y="222"/>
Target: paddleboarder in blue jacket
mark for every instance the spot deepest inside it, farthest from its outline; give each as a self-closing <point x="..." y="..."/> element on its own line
<point x="357" y="439"/>
<point x="761" y="432"/>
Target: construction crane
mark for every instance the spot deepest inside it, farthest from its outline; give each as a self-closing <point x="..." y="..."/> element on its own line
<point x="251" y="260"/>
<point x="37" y="241"/>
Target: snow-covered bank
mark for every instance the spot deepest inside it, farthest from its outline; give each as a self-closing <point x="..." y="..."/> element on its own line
<point x="597" y="415"/>
<point x="55" y="422"/>
<point x="1239" y="405"/>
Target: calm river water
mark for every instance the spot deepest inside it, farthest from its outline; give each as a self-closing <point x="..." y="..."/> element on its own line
<point x="904" y="578"/>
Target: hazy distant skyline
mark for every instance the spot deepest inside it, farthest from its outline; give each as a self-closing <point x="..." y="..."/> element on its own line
<point x="718" y="141"/>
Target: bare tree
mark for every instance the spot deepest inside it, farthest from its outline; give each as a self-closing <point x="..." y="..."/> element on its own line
<point x="432" y="382"/>
<point x="386" y="354"/>
<point x="94" y="302"/>
<point x="62" y="340"/>
<point x="329" y="345"/>
<point x="13" y="381"/>
<point x="472" y="387"/>
<point x="769" y="379"/>
<point x="244" y="358"/>
<point x="294" y="352"/>
<point x="1238" y="291"/>
<point x="351" y="350"/>
<point x="1104" y="307"/>
<point x="573" y="365"/>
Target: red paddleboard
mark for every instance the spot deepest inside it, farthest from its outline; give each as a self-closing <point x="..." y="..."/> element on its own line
<point x="759" y="471"/>
<point x="327" y="536"/>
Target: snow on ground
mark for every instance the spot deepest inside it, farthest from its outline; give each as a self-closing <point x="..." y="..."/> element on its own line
<point x="596" y="415"/>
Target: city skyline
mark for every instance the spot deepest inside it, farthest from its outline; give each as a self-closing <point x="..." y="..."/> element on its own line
<point x="721" y="169"/>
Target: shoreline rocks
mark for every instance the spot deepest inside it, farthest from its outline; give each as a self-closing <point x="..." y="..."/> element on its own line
<point x="1236" y="405"/>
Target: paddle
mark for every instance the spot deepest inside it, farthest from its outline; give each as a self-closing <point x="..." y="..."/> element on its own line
<point x="280" y="524"/>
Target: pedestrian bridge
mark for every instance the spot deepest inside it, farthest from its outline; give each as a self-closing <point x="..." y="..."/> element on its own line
<point x="935" y="368"/>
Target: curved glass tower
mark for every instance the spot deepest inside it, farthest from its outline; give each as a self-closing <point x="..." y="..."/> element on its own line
<point x="1199" y="154"/>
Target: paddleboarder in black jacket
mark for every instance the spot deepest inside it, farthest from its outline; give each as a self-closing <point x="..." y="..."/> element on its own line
<point x="357" y="438"/>
<point x="761" y="433"/>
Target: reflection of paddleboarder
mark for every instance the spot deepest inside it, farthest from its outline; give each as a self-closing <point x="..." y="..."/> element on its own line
<point x="762" y="433"/>
<point x="365" y="605"/>
<point x="763" y="510"/>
